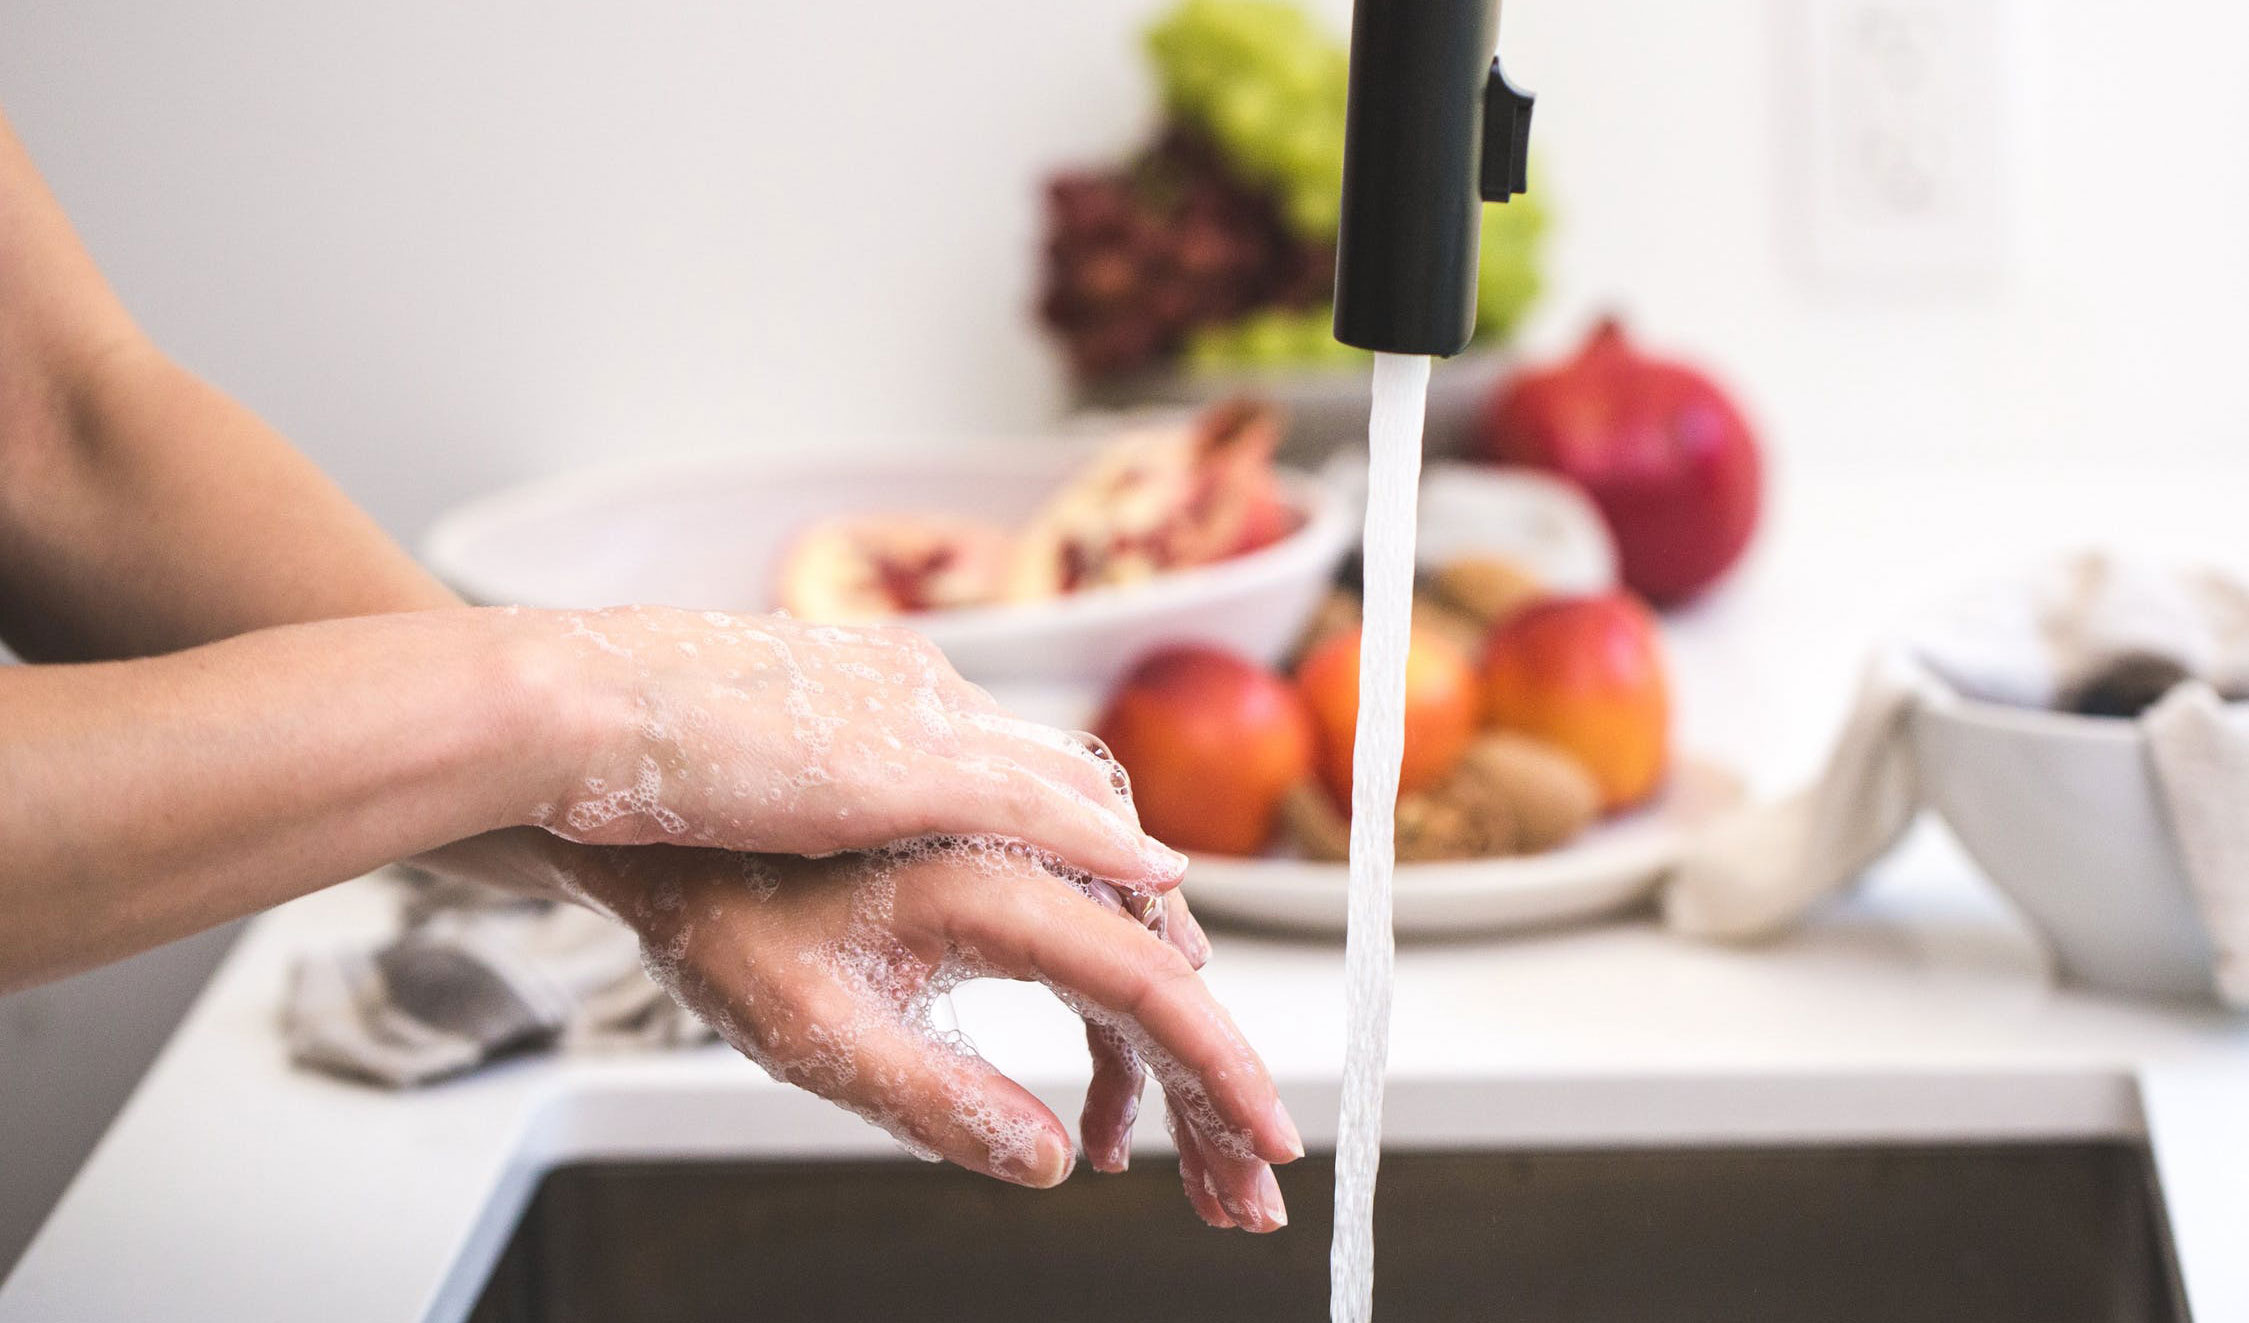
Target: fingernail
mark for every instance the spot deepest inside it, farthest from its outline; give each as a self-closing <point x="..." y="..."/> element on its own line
<point x="1198" y="943"/>
<point x="1052" y="1167"/>
<point x="1290" y="1135"/>
<point x="1269" y="1197"/>
<point x="1237" y="1212"/>
<point x="1164" y="861"/>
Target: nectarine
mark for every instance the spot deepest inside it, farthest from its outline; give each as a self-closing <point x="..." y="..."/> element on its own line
<point x="1441" y="708"/>
<point x="1212" y="742"/>
<point x="1586" y="673"/>
<point x="870" y="567"/>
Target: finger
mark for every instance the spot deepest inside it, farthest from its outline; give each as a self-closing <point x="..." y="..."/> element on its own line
<point x="1112" y="1099"/>
<point x="1194" y="1174"/>
<point x="953" y="1103"/>
<point x="851" y="1045"/>
<point x="1243" y="1186"/>
<point x="1166" y="915"/>
<point x="1112" y="970"/>
<point x="1176" y="924"/>
<point x="988" y="793"/>
<point x="1075" y="759"/>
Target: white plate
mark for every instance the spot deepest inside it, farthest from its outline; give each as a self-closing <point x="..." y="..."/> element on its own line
<point x="1615" y="864"/>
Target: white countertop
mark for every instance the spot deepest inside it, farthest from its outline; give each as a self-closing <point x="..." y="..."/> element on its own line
<point x="233" y="1187"/>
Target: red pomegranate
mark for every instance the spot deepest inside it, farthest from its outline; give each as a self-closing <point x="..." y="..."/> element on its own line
<point x="1659" y="447"/>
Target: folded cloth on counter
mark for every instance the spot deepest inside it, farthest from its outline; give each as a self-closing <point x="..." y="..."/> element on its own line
<point x="2200" y="747"/>
<point x="473" y="974"/>
<point x="1758" y="871"/>
<point x="2028" y="643"/>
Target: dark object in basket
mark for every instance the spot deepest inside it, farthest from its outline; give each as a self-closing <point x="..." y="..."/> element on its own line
<point x="2127" y="686"/>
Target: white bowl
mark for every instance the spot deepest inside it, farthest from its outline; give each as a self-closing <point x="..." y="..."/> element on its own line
<point x="2061" y="812"/>
<point x="709" y="533"/>
<point x="1543" y="523"/>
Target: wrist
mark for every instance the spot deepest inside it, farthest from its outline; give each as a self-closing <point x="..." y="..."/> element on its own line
<point x="561" y="708"/>
<point x="567" y="707"/>
<point x="537" y="863"/>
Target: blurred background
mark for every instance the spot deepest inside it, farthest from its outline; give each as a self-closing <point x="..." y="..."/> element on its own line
<point x="448" y="246"/>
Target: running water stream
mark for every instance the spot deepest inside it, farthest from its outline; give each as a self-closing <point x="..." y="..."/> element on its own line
<point x="1401" y="389"/>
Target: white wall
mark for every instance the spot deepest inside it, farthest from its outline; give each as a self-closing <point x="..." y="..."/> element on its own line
<point x="2113" y="331"/>
<point x="446" y="244"/>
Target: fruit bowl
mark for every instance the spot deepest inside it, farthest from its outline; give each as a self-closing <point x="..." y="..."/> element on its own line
<point x="1615" y="864"/>
<point x="711" y="533"/>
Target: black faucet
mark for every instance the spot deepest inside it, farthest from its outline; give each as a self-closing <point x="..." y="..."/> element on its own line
<point x="1434" y="131"/>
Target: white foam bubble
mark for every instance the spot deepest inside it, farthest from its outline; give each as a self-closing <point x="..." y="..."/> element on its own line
<point x="644" y="798"/>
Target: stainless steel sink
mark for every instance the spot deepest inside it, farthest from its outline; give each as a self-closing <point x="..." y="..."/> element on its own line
<point x="1992" y="1233"/>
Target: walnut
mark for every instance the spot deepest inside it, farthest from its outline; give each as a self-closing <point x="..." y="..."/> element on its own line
<point x="1460" y="822"/>
<point x="1486" y="588"/>
<point x="1314" y="824"/>
<point x="1551" y="794"/>
<point x="1432" y="615"/>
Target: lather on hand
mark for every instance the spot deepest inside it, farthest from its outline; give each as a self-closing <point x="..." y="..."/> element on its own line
<point x="759" y="732"/>
<point x="243" y="691"/>
<point x="823" y="972"/>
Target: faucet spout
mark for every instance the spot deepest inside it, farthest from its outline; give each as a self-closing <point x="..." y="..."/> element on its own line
<point x="1434" y="129"/>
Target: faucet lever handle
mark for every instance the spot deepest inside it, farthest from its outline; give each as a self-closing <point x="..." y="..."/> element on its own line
<point x="1507" y="137"/>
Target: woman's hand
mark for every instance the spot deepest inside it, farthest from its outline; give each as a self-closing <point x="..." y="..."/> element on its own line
<point x="763" y="733"/>
<point x="823" y="972"/>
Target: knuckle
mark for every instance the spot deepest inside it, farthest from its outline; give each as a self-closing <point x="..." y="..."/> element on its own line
<point x="1026" y="796"/>
<point x="996" y="922"/>
<point x="918" y="644"/>
<point x="1158" y="972"/>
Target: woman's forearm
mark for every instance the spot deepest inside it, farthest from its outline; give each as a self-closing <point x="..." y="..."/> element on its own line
<point x="143" y="515"/>
<point x="167" y="515"/>
<point x="167" y="794"/>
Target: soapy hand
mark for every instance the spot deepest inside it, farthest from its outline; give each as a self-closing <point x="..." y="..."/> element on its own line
<point x="764" y="733"/>
<point x="824" y="972"/>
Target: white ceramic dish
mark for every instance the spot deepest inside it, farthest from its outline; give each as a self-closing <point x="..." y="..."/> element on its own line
<point x="1612" y="866"/>
<point x="2061" y="813"/>
<point x="709" y="533"/>
<point x="1539" y="521"/>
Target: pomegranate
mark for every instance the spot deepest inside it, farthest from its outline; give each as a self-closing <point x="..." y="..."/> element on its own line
<point x="1163" y="498"/>
<point x="1662" y="451"/>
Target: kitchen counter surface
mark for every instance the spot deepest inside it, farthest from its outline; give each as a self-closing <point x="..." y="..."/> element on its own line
<point x="233" y="1187"/>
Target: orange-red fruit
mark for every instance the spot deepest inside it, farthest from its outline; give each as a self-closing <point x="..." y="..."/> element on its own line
<point x="1211" y="742"/>
<point x="1586" y="673"/>
<point x="1442" y="704"/>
